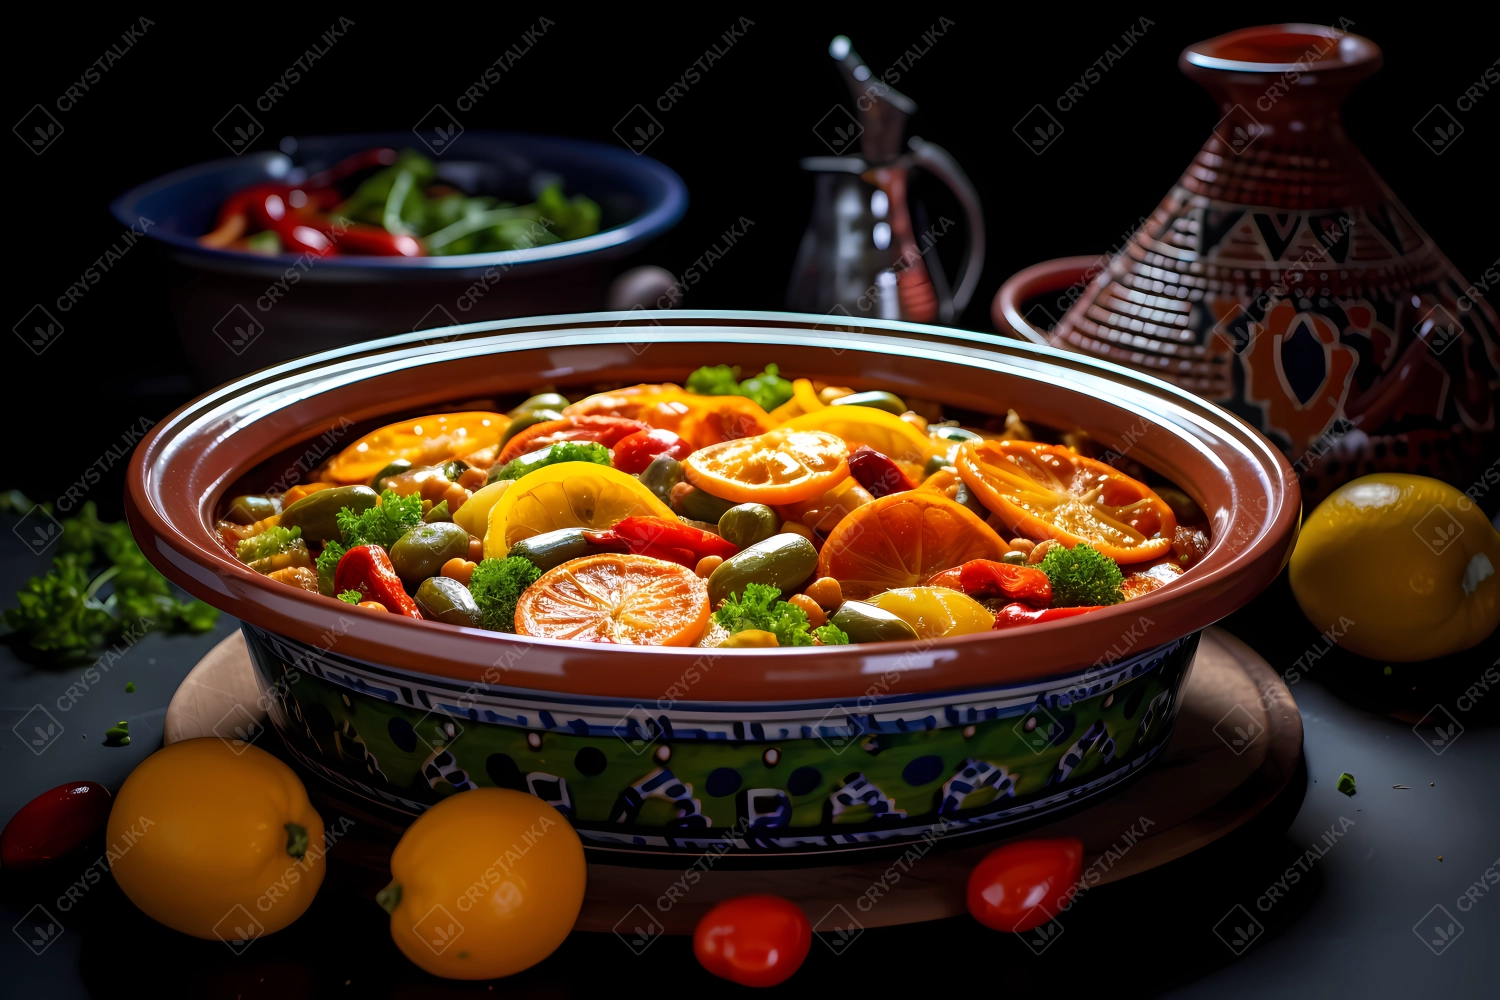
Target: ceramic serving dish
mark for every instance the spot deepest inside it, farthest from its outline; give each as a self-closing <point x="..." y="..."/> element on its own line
<point x="236" y="312"/>
<point x="653" y="751"/>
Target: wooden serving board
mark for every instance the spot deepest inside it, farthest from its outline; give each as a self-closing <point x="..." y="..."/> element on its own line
<point x="1202" y="788"/>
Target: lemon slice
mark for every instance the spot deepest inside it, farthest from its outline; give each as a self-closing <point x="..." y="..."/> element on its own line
<point x="567" y="495"/>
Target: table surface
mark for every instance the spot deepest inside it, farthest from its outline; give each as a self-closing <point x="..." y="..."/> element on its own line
<point x="1345" y="891"/>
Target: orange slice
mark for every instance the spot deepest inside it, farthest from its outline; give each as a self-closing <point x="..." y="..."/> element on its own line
<point x="779" y="467"/>
<point x="567" y="495"/>
<point x="627" y="599"/>
<point x="701" y="420"/>
<point x="429" y="440"/>
<point x="864" y="425"/>
<point x="1046" y="491"/>
<point x="901" y="540"/>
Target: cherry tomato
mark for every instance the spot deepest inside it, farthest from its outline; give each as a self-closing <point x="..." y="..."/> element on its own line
<point x="635" y="452"/>
<point x="753" y="940"/>
<point x="54" y="824"/>
<point x="1020" y="886"/>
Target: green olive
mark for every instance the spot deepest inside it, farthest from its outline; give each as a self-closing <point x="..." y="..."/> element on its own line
<point x="399" y="467"/>
<point x="421" y="552"/>
<point x="661" y="475"/>
<point x="552" y="548"/>
<point x="1015" y="557"/>
<point x="948" y="433"/>
<point x="867" y="623"/>
<point x="783" y="561"/>
<point x="937" y="463"/>
<point x="249" y="509"/>
<point x="317" y="513"/>
<point x="690" y="501"/>
<point x="543" y="401"/>
<point x="443" y="599"/>
<point x="966" y="496"/>
<point x="880" y="400"/>
<point x="528" y="419"/>
<point x="749" y="523"/>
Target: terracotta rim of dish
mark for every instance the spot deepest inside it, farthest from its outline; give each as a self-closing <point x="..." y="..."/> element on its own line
<point x="249" y="427"/>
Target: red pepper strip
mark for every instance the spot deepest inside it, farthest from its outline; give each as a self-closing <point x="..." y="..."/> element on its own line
<point x="366" y="239"/>
<point x="1019" y="614"/>
<point x="378" y="157"/>
<point x="367" y="569"/>
<point x="876" y="473"/>
<point x="54" y="824"/>
<point x="659" y="531"/>
<point x="980" y="578"/>
<point x="610" y="541"/>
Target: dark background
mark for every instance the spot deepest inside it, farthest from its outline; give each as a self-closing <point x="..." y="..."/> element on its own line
<point x="735" y="138"/>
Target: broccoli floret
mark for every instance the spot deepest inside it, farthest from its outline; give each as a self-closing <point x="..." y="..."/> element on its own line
<point x="268" y="543"/>
<point x="768" y="388"/>
<point x="1082" y="577"/>
<point x="496" y="585"/>
<point x="715" y="380"/>
<point x="383" y="524"/>
<point x="351" y="597"/>
<point x="563" y="451"/>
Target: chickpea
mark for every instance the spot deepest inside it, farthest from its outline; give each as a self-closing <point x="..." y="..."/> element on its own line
<point x="815" y="615"/>
<point x="707" y="565"/>
<point x="456" y="496"/>
<point x="373" y="605"/>
<point x="1022" y="544"/>
<point x="433" y="488"/>
<point x="473" y="479"/>
<point x="476" y="549"/>
<point x="1040" y="551"/>
<point x="793" y="528"/>
<point x="825" y="592"/>
<point x="458" y="569"/>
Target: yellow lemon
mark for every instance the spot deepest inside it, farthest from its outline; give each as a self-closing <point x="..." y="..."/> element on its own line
<point x="1403" y="566"/>
<point x="567" y="495"/>
<point x="935" y="612"/>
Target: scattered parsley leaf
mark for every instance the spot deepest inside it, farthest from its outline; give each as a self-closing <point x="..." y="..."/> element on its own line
<point x="563" y="451"/>
<point x="351" y="597"/>
<point x="382" y="524"/>
<point x="715" y="380"/>
<point x="760" y="607"/>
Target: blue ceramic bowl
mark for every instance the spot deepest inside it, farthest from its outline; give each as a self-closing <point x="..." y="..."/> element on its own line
<point x="237" y="311"/>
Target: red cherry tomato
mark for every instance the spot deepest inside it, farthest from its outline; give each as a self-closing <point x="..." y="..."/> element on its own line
<point x="1021" y="886"/>
<point x="753" y="940"/>
<point x="634" y="453"/>
<point x="54" y="824"/>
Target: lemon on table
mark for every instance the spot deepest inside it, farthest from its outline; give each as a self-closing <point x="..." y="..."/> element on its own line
<point x="1405" y="566"/>
<point x="567" y="495"/>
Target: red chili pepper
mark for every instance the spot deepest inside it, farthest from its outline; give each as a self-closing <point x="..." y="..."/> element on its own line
<point x="378" y="157"/>
<point x="366" y="239"/>
<point x="1013" y="615"/>
<point x="659" y="531"/>
<point x="367" y="569"/>
<point x="980" y="578"/>
<point x="54" y="824"/>
<point x="635" y="451"/>
<point x="609" y="540"/>
<point x="877" y="474"/>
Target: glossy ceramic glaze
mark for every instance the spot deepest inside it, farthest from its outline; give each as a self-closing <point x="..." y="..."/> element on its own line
<point x="684" y="744"/>
<point x="1281" y="278"/>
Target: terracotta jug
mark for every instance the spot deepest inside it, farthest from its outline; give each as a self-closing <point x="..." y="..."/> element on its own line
<point x="1283" y="280"/>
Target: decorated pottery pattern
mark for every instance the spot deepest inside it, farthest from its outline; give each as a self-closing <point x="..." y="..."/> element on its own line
<point x="764" y="777"/>
<point x="1282" y="279"/>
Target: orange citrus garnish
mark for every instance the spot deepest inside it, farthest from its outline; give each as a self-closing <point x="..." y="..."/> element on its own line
<point x="893" y="437"/>
<point x="627" y="599"/>
<point x="901" y="540"/>
<point x="779" y="467"/>
<point x="1046" y="491"/>
<point x="700" y="420"/>
<point x="429" y="440"/>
